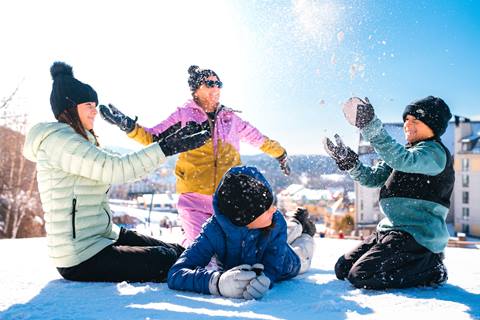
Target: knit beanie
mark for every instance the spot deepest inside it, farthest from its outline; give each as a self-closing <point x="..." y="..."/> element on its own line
<point x="243" y="198"/>
<point x="432" y="111"/>
<point x="68" y="92"/>
<point x="198" y="76"/>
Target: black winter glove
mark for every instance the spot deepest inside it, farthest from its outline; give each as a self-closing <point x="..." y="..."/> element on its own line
<point x="176" y="140"/>
<point x="284" y="166"/>
<point x="358" y="112"/>
<point x="172" y="129"/>
<point x="345" y="157"/>
<point x="308" y="226"/>
<point x="114" y="116"/>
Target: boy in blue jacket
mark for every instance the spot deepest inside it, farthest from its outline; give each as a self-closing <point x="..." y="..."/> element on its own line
<point x="416" y="183"/>
<point x="247" y="236"/>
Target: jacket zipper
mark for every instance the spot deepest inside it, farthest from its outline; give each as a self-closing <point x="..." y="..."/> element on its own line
<point x="108" y="217"/>
<point x="214" y="147"/>
<point x="212" y="132"/>
<point x="74" y="210"/>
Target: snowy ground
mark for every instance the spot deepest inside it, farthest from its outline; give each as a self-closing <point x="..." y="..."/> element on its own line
<point x="30" y="288"/>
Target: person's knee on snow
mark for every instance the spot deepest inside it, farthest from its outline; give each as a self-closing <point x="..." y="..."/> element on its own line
<point x="359" y="279"/>
<point x="440" y="273"/>
<point x="342" y="268"/>
<point x="355" y="273"/>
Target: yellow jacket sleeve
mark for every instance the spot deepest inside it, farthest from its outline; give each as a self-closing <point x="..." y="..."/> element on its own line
<point x="140" y="135"/>
<point x="272" y="148"/>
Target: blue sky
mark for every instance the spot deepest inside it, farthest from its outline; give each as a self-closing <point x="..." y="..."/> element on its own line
<point x="288" y="65"/>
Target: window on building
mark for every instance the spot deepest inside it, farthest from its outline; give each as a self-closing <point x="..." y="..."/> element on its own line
<point x="465" y="164"/>
<point x="464" y="197"/>
<point x="465" y="213"/>
<point x="465" y="180"/>
<point x="361" y="204"/>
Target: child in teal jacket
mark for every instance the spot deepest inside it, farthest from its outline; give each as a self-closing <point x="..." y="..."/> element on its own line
<point x="416" y="183"/>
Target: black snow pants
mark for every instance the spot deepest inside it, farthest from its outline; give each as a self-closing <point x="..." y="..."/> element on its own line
<point x="133" y="257"/>
<point x="391" y="259"/>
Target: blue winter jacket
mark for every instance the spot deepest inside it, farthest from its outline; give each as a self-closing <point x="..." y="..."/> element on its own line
<point x="232" y="245"/>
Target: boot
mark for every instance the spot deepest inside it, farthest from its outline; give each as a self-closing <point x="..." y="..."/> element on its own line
<point x="308" y="226"/>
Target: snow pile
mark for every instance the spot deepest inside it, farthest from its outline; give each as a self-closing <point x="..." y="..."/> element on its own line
<point x="32" y="289"/>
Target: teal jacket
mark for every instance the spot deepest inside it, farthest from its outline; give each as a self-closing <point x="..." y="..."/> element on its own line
<point x="73" y="178"/>
<point x="424" y="220"/>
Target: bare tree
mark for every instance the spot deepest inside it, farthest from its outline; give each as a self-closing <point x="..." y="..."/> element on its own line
<point x="5" y="101"/>
<point x="20" y="209"/>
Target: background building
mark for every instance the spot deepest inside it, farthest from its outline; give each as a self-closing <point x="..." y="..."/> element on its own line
<point x="467" y="176"/>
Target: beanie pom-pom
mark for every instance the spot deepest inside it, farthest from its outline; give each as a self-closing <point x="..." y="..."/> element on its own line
<point x="193" y="69"/>
<point x="61" y="69"/>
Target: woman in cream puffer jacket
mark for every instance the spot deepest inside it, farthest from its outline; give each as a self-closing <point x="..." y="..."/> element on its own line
<point x="74" y="175"/>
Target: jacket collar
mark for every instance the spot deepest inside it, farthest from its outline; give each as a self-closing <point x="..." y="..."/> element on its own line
<point x="434" y="138"/>
<point x="194" y="105"/>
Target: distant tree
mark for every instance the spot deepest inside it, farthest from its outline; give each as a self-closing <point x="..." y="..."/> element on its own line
<point x="21" y="214"/>
<point x="346" y="224"/>
<point x="6" y="101"/>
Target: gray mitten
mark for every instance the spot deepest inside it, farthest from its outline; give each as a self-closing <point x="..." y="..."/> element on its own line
<point x="232" y="283"/>
<point x="257" y="287"/>
<point x="358" y="112"/>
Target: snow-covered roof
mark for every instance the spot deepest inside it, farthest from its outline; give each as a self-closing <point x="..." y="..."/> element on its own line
<point x="473" y="140"/>
<point x="299" y="192"/>
<point x="292" y="189"/>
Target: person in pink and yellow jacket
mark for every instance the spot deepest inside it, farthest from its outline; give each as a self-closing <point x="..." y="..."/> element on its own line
<point x="199" y="171"/>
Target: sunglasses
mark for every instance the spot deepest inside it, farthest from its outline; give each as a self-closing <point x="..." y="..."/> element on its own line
<point x="213" y="83"/>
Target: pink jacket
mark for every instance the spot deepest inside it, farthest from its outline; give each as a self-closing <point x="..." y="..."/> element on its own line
<point x="201" y="169"/>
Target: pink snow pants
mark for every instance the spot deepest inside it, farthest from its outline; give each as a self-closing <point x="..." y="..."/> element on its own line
<point x="193" y="210"/>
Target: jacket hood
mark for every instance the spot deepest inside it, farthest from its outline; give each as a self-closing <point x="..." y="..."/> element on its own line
<point x="247" y="170"/>
<point x="38" y="134"/>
